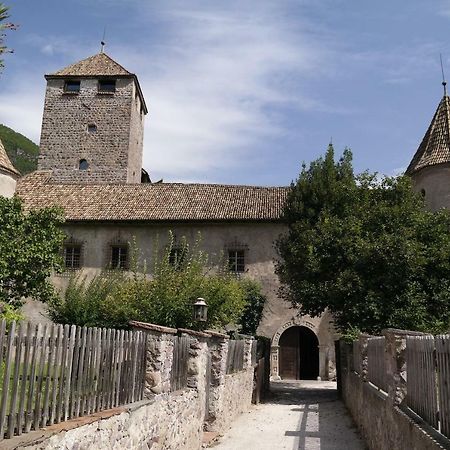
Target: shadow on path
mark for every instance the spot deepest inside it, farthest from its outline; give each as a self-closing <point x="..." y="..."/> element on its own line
<point x="298" y="415"/>
<point x="324" y="422"/>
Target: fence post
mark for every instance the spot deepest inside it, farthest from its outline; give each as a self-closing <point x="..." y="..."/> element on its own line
<point x="159" y="357"/>
<point x="364" y="360"/>
<point x="218" y="348"/>
<point x="248" y="353"/>
<point x="395" y="363"/>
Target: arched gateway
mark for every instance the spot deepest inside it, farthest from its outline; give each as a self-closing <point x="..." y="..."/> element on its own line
<point x="298" y="352"/>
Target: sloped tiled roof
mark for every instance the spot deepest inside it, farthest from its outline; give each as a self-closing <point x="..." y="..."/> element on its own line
<point x="153" y="202"/>
<point x="435" y="146"/>
<point x="97" y="65"/>
<point x="5" y="163"/>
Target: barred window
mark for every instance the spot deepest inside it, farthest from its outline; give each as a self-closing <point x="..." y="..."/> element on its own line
<point x="119" y="257"/>
<point x="176" y="257"/>
<point x="72" y="86"/>
<point x="236" y="260"/>
<point x="72" y="256"/>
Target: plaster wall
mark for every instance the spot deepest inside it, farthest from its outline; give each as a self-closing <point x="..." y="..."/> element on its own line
<point x="434" y="181"/>
<point x="7" y="184"/>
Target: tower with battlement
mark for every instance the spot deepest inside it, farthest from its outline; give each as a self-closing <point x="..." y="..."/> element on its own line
<point x="93" y="123"/>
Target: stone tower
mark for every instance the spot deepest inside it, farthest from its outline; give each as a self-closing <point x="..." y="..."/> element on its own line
<point x="93" y="122"/>
<point x="8" y="174"/>
<point x="430" y="166"/>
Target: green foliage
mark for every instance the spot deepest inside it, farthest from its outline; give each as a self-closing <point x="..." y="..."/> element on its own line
<point x="4" y="26"/>
<point x="30" y="246"/>
<point x="112" y="299"/>
<point x="255" y="300"/>
<point x="9" y="313"/>
<point x="22" y="152"/>
<point x="366" y="249"/>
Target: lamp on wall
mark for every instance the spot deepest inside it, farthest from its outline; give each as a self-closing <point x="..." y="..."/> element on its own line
<point x="200" y="310"/>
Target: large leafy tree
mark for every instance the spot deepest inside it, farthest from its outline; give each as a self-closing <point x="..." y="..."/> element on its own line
<point x="365" y="249"/>
<point x="4" y="26"/>
<point x="30" y="246"/>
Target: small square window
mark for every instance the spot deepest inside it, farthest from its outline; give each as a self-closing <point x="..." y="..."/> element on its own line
<point x="72" y="86"/>
<point x="72" y="256"/>
<point x="92" y="128"/>
<point x="119" y="257"/>
<point x="236" y="260"/>
<point x="107" y="86"/>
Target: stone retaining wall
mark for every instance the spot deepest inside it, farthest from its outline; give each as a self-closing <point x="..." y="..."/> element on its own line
<point x="164" y="419"/>
<point x="383" y="418"/>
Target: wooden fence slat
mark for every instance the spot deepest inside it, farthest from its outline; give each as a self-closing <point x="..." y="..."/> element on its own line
<point x="24" y="376"/>
<point x="443" y="375"/>
<point x="68" y="379"/>
<point x="15" y="385"/>
<point x="49" y="366"/>
<point x="62" y="373"/>
<point x="98" y="368"/>
<point x="6" y="377"/>
<point x="40" y="377"/>
<point x="57" y="370"/>
<point x="74" y="372"/>
<point x="32" y="387"/>
<point x="120" y="366"/>
<point x="86" y="377"/>
<point x="80" y="372"/>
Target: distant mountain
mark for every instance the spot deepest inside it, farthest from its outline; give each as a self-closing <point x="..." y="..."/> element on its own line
<point x="22" y="152"/>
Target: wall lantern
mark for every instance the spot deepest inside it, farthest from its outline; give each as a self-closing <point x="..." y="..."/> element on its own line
<point x="200" y="310"/>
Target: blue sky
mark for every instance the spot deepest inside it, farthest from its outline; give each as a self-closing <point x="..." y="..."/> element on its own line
<point x="244" y="91"/>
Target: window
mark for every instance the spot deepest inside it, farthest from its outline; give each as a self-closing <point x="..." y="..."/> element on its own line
<point x="72" y="86"/>
<point x="83" y="165"/>
<point x="107" y="86"/>
<point x="92" y="128"/>
<point x="236" y="260"/>
<point x="176" y="257"/>
<point x="72" y="256"/>
<point x="119" y="257"/>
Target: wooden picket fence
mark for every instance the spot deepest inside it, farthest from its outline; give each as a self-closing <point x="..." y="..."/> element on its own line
<point x="235" y="358"/>
<point x="179" y="372"/>
<point x="377" y="373"/>
<point x="52" y="373"/>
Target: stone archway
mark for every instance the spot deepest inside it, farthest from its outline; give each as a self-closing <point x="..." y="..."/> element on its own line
<point x="298" y="354"/>
<point x="312" y="330"/>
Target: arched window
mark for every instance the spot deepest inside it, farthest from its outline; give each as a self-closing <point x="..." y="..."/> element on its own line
<point x="83" y="165"/>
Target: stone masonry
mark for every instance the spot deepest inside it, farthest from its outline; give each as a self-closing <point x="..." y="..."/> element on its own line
<point x="164" y="419"/>
<point x="113" y="151"/>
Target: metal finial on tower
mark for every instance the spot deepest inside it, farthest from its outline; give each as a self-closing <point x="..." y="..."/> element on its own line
<point x="444" y="83"/>
<point x="102" y="42"/>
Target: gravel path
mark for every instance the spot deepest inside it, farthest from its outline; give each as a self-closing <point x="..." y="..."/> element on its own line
<point x="305" y="415"/>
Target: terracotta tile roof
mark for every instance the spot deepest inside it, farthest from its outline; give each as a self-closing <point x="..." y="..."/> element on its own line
<point x="153" y="202"/>
<point x="97" y="65"/>
<point x="435" y="146"/>
<point x="5" y="163"/>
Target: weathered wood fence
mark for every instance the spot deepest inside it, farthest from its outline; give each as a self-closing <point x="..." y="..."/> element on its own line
<point x="235" y="358"/>
<point x="179" y="372"/>
<point x="427" y="373"/>
<point x="52" y="373"/>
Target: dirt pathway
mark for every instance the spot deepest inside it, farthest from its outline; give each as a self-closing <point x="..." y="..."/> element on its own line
<point x="305" y="415"/>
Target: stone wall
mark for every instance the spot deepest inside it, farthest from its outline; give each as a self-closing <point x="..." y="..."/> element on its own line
<point x="164" y="419"/>
<point x="383" y="418"/>
<point x="110" y="151"/>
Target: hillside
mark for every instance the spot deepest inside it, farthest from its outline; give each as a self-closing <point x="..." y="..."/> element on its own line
<point x="22" y="152"/>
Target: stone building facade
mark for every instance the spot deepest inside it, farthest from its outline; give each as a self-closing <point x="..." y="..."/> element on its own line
<point x="106" y="207"/>
<point x="93" y="122"/>
<point x="8" y="174"/>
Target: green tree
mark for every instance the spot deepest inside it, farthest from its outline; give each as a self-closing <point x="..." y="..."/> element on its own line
<point x="365" y="249"/>
<point x="4" y="26"/>
<point x="30" y="245"/>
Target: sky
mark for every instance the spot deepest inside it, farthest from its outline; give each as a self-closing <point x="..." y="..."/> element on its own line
<point x="243" y="92"/>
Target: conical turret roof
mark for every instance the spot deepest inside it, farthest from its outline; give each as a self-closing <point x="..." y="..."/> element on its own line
<point x="97" y="65"/>
<point x="435" y="146"/>
<point x="5" y="163"/>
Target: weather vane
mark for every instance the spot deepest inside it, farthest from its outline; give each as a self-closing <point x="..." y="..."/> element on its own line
<point x="102" y="42"/>
<point x="444" y="83"/>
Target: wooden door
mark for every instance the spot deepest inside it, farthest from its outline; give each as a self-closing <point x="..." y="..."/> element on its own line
<point x="290" y="354"/>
